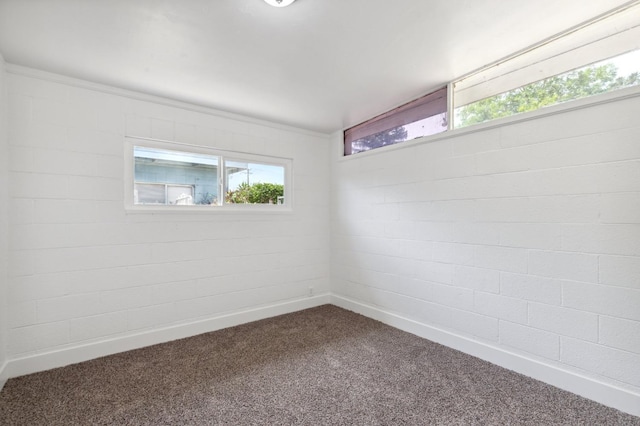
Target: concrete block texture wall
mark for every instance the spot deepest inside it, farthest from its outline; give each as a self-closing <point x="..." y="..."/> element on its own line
<point x="523" y="236"/>
<point x="82" y="270"/>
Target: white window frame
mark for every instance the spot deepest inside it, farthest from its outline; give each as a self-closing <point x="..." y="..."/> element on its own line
<point x="222" y="155"/>
<point x="606" y="36"/>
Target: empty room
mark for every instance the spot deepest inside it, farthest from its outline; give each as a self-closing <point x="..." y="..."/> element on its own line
<point x="353" y="212"/>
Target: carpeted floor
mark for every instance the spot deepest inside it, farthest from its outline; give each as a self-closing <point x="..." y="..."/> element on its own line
<point x="322" y="366"/>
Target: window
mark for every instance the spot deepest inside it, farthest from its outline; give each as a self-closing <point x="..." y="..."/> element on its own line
<point x="595" y="57"/>
<point x="569" y="66"/>
<point x="169" y="176"/>
<point x="602" y="77"/>
<point x="253" y="183"/>
<point x="424" y="116"/>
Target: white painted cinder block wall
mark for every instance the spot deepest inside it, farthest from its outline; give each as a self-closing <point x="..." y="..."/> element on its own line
<point x="521" y="239"/>
<point x="4" y="248"/>
<point x="86" y="278"/>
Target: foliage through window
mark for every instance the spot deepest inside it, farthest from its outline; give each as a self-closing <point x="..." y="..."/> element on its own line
<point x="602" y="77"/>
<point x="592" y="58"/>
<point x="424" y="116"/>
<point x="253" y="183"/>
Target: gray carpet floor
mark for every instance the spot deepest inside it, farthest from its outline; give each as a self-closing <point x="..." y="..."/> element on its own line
<point x="321" y="366"/>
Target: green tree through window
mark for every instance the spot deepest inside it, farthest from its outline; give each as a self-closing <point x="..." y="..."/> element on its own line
<point x="387" y="137"/>
<point x="258" y="193"/>
<point x="576" y="84"/>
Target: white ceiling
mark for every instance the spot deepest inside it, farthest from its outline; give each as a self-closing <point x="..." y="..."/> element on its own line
<point x="321" y="65"/>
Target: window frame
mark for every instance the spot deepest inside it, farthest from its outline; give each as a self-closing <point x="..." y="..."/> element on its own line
<point x="584" y="45"/>
<point x="603" y="38"/>
<point x="568" y="75"/>
<point x="222" y="156"/>
<point x="430" y="105"/>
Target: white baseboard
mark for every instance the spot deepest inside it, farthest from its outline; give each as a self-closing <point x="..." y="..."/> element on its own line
<point x="59" y="358"/>
<point x="604" y="393"/>
<point x="3" y="372"/>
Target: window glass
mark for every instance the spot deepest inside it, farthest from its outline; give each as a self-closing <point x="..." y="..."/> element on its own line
<point x="254" y="183"/>
<point x="602" y="77"/>
<point x="594" y="57"/>
<point x="181" y="195"/>
<point x="421" y="117"/>
<point x="175" y="178"/>
<point x="150" y="193"/>
<point x="159" y="177"/>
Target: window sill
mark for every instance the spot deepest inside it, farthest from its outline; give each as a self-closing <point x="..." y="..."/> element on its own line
<point x="213" y="210"/>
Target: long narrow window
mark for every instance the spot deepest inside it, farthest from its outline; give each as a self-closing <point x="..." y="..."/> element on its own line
<point x="569" y="66"/>
<point x="422" y="117"/>
<point x="602" y="77"/>
<point x="595" y="57"/>
<point x="163" y="175"/>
